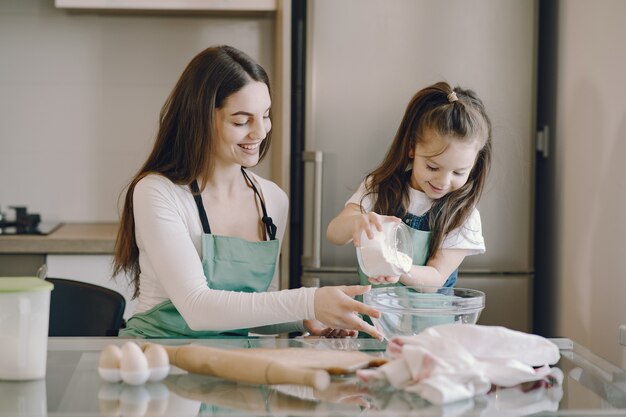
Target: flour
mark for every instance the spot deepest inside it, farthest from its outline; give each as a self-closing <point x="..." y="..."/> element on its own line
<point x="379" y="259"/>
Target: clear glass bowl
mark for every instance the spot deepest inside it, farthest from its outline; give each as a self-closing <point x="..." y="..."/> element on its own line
<point x="388" y="253"/>
<point x="406" y="311"/>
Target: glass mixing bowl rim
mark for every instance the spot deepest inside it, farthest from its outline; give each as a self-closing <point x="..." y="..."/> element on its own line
<point x="463" y="305"/>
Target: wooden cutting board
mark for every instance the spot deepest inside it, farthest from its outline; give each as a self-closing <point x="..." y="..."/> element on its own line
<point x="335" y="362"/>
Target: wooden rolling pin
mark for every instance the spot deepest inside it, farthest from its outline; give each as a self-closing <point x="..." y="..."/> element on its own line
<point x="241" y="367"/>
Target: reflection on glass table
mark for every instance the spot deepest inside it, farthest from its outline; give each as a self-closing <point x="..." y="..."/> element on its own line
<point x="72" y="387"/>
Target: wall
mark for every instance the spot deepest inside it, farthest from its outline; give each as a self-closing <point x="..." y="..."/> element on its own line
<point x="590" y="154"/>
<point x="80" y="95"/>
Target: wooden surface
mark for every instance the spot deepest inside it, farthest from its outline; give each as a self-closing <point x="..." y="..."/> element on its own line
<point x="69" y="238"/>
<point x="335" y="362"/>
<point x="241" y="365"/>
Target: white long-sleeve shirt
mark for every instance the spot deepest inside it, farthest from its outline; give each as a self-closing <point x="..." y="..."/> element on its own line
<point x="169" y="236"/>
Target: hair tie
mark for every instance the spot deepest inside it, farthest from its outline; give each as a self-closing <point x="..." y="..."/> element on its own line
<point x="452" y="97"/>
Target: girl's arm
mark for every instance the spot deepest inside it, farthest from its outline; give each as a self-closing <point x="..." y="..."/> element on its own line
<point x="349" y="224"/>
<point x="437" y="270"/>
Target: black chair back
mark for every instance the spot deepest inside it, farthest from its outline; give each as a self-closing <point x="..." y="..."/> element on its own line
<point x="83" y="309"/>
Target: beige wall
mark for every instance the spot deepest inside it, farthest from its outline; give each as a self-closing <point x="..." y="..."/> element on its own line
<point x="80" y="95"/>
<point x="591" y="161"/>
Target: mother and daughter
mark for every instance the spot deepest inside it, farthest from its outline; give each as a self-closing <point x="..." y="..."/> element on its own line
<point x="200" y="235"/>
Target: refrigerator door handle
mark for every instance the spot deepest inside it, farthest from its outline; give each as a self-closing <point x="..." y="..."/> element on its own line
<point x="313" y="260"/>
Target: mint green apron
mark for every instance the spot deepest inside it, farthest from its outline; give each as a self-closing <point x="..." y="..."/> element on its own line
<point x="229" y="263"/>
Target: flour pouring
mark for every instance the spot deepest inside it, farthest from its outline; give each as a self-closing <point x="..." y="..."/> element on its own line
<point x="388" y="253"/>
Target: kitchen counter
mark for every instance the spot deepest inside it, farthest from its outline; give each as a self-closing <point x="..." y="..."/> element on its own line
<point x="73" y="387"/>
<point x="69" y="238"/>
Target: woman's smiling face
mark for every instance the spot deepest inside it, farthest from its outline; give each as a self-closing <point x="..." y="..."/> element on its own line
<point x="442" y="164"/>
<point x="243" y="122"/>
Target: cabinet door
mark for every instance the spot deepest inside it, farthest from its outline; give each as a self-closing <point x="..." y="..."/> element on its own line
<point x="20" y="264"/>
<point x="94" y="269"/>
<point x="507" y="299"/>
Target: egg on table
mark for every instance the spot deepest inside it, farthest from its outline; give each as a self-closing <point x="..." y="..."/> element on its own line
<point x="109" y="363"/>
<point x="134" y="368"/>
<point x="158" y="361"/>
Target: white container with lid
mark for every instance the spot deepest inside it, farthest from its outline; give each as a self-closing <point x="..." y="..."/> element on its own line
<point x="389" y="253"/>
<point x="24" y="314"/>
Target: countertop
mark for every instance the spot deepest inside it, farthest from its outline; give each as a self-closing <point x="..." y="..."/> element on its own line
<point x="69" y="238"/>
<point x="72" y="387"/>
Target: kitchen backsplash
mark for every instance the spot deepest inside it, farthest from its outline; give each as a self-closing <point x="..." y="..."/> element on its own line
<point x="81" y="96"/>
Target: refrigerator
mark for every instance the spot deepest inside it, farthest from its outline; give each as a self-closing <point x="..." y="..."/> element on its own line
<point x="355" y="66"/>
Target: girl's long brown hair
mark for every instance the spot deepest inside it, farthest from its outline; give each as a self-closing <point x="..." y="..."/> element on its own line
<point x="183" y="150"/>
<point x="464" y="119"/>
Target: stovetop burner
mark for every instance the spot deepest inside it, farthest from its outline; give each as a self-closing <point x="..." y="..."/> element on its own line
<point x="43" y="228"/>
<point x="25" y="223"/>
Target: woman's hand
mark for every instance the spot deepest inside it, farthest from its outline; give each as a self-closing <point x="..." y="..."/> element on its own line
<point x="317" y="328"/>
<point x="337" y="309"/>
<point x="383" y="280"/>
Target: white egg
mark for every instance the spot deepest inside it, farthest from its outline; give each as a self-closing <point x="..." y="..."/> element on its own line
<point x="109" y="363"/>
<point x="110" y="357"/>
<point x="158" y="361"/>
<point x="133" y="365"/>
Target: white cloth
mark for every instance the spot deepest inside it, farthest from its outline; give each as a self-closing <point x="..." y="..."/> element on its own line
<point x="469" y="236"/>
<point x="451" y="362"/>
<point x="169" y="237"/>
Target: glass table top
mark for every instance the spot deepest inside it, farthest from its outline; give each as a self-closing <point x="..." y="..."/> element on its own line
<point x="72" y="387"/>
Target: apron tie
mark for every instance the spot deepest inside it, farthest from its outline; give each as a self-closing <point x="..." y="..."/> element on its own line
<point x="267" y="221"/>
<point x="270" y="227"/>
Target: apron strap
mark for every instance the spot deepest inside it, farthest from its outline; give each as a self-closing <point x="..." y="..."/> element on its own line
<point x="267" y="221"/>
<point x="198" y="198"/>
<point x="270" y="227"/>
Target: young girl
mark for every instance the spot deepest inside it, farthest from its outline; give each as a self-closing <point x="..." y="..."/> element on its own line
<point x="431" y="179"/>
<point x="200" y="234"/>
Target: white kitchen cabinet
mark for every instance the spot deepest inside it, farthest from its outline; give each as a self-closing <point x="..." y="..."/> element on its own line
<point x="94" y="269"/>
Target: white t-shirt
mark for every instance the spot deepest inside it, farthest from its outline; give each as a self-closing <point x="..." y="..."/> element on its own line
<point x="169" y="236"/>
<point x="469" y="236"/>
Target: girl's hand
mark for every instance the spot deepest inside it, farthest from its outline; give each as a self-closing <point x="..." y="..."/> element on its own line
<point x="365" y="222"/>
<point x="337" y="309"/>
<point x="316" y="328"/>
<point x="383" y="280"/>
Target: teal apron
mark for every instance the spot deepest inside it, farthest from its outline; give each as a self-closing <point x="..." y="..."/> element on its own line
<point x="230" y="264"/>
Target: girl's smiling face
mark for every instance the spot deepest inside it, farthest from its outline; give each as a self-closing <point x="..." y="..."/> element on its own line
<point x="242" y="123"/>
<point x="442" y="164"/>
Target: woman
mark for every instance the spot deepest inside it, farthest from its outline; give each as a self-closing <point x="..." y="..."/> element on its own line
<point x="200" y="235"/>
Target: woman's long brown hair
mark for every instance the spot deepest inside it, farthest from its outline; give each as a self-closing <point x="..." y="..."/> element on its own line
<point x="464" y="119"/>
<point x="183" y="150"/>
